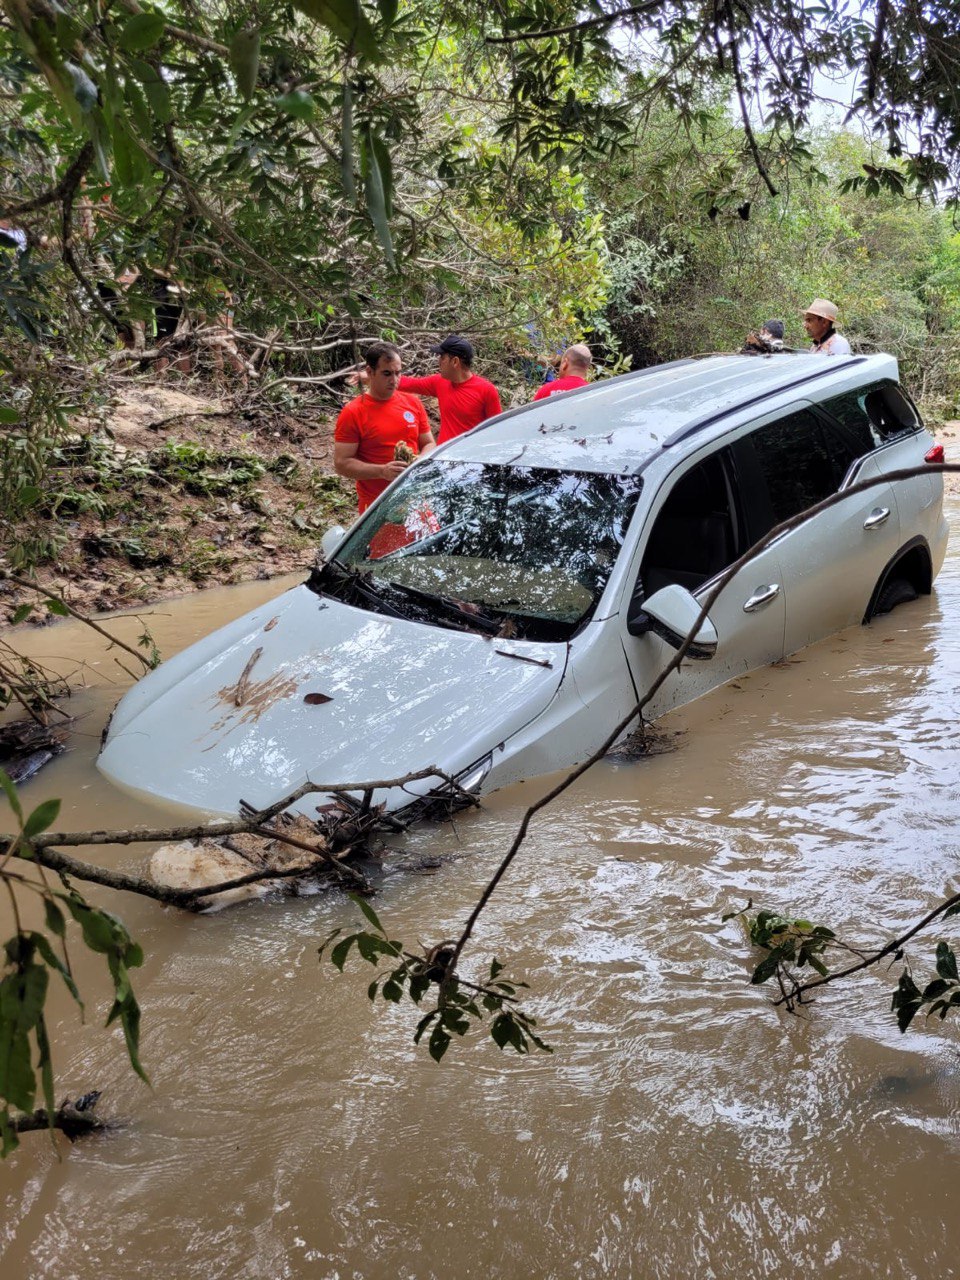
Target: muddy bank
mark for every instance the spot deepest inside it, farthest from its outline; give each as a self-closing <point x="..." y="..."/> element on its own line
<point x="171" y="491"/>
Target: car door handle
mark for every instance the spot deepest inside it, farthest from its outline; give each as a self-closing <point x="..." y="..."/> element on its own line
<point x="877" y="517"/>
<point x="762" y="596"/>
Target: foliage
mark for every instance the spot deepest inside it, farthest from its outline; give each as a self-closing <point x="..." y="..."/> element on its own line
<point x="791" y="944"/>
<point x="31" y="956"/>
<point x="459" y="1004"/>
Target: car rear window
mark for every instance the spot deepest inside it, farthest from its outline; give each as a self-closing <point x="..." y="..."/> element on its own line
<point x="874" y="414"/>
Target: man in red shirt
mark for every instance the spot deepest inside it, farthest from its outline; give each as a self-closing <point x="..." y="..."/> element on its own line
<point x="371" y="426"/>
<point x="464" y="398"/>
<point x="573" y="372"/>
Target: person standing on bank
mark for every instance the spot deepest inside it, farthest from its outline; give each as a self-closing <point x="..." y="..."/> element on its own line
<point x="818" y="320"/>
<point x="464" y="398"/>
<point x="574" y="371"/>
<point x="372" y="426"/>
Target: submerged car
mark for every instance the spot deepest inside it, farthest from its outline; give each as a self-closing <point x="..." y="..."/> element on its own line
<point x="511" y="595"/>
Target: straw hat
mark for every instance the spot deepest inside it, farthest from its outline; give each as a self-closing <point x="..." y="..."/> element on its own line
<point x="822" y="308"/>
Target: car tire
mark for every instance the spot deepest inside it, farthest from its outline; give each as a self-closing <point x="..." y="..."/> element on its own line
<point x="894" y="591"/>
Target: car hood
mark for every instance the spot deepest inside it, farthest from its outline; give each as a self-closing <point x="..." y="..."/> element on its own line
<point x="309" y="688"/>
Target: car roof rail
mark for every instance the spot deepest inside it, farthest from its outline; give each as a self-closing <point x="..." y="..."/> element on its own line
<point x="692" y="428"/>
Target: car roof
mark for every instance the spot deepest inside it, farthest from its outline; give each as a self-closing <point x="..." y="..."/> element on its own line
<point x="619" y="425"/>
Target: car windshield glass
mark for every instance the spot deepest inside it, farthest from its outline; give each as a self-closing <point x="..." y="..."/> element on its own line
<point x="504" y="550"/>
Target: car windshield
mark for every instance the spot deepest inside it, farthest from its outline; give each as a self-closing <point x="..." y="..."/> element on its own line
<point x="505" y="550"/>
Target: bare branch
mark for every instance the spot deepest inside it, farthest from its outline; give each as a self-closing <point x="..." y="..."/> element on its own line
<point x="606" y="20"/>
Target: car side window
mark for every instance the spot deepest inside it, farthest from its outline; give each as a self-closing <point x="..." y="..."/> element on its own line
<point x="795" y="465"/>
<point x="876" y="413"/>
<point x="696" y="532"/>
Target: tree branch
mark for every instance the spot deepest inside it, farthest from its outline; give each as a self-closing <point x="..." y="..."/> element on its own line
<point x="68" y="183"/>
<point x="605" y="21"/>
<point x="5" y="574"/>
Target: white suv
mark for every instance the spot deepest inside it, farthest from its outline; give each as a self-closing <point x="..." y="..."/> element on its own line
<point x="509" y="597"/>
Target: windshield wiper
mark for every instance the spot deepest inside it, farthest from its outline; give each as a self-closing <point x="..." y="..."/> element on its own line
<point x="479" y="621"/>
<point x="364" y="587"/>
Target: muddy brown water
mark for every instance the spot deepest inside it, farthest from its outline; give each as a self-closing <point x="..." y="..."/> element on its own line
<point x="683" y="1127"/>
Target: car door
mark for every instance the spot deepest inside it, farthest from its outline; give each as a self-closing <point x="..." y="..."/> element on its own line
<point x="831" y="563"/>
<point x="696" y="527"/>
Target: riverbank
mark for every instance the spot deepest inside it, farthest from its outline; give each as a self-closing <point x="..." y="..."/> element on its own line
<point x="171" y="491"/>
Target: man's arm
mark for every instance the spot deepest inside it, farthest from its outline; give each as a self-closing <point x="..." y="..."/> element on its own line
<point x="419" y="386"/>
<point x="426" y="442"/>
<point x="346" y="463"/>
<point x="493" y="402"/>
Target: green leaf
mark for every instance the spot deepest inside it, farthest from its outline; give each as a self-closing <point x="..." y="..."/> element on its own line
<point x="130" y="1021"/>
<point x="338" y="956"/>
<point x="947" y="963"/>
<point x="385" y="165"/>
<point x="423" y="1024"/>
<point x="419" y="986"/>
<point x="297" y="103"/>
<point x="59" y="608"/>
<point x="388" y="12"/>
<point x="24" y="611"/>
<point x="439" y="1043"/>
<point x="370" y="947"/>
<point x="8" y="416"/>
<point x="22" y="996"/>
<point x="11" y="793"/>
<point x="154" y="86"/>
<point x="96" y="926"/>
<point x="765" y="969"/>
<point x="393" y="992"/>
<point x="368" y="911"/>
<point x="9" y="1138"/>
<point x="245" y="60"/>
<point x="376" y="203"/>
<point x="504" y="1031"/>
<point x="41" y="818"/>
<point x="54" y="961"/>
<point x="347" y="21"/>
<point x="142" y="31"/>
<point x="45" y="1067"/>
<point x="56" y="921"/>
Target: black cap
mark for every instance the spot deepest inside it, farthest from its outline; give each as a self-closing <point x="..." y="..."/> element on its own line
<point x="774" y="328"/>
<point x="454" y="346"/>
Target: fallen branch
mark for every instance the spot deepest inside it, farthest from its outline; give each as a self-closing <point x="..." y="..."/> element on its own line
<point x="6" y="575"/>
<point x="74" y="1119"/>
<point x="44" y="848"/>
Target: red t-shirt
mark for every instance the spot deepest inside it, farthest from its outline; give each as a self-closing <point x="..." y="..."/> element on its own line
<point x="569" y="383"/>
<point x="377" y="426"/>
<point x="462" y="405"/>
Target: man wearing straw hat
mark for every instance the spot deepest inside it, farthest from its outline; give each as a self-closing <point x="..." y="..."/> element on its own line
<point x="818" y="320"/>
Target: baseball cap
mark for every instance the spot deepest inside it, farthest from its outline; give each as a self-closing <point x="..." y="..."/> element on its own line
<point x="822" y="308"/>
<point x="454" y="345"/>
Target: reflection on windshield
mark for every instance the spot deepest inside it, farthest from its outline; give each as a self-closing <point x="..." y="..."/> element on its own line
<point x="503" y="550"/>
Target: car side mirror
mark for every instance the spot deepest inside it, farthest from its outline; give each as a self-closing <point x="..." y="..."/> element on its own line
<point x="671" y="613"/>
<point x="330" y="541"/>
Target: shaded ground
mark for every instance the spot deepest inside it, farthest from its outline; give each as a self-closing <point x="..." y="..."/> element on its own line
<point x="179" y="492"/>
